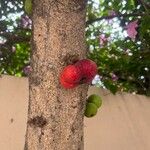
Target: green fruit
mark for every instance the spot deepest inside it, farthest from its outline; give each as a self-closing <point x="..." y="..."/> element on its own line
<point x="95" y="99"/>
<point x="91" y="110"/>
<point x="28" y="6"/>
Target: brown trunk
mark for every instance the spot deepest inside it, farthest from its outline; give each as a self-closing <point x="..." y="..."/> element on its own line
<point x="55" y="116"/>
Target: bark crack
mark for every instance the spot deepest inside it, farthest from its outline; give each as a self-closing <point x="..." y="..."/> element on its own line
<point x="38" y="121"/>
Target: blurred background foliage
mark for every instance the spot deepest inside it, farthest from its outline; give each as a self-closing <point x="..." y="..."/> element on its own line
<point x="117" y="34"/>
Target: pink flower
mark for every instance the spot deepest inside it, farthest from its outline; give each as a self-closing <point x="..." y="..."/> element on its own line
<point x="111" y="13"/>
<point x="114" y="77"/>
<point x="102" y="40"/>
<point x="131" y="29"/>
<point x="27" y="70"/>
<point x="25" y="22"/>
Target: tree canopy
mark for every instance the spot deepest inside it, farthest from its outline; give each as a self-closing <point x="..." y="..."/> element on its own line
<point x="117" y="35"/>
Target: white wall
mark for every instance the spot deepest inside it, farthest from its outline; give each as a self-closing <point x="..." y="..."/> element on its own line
<point x="123" y="122"/>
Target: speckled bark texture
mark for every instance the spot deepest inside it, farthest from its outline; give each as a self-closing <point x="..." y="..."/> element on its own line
<point x="55" y="115"/>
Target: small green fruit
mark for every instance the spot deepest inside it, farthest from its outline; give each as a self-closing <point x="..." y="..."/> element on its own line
<point x="28" y="6"/>
<point x="95" y="99"/>
<point x="91" y="110"/>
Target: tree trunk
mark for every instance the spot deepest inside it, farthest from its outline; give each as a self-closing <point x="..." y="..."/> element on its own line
<point x="55" y="115"/>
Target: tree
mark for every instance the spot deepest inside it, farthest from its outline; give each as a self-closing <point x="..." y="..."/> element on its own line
<point x="55" y="119"/>
<point x="117" y="35"/>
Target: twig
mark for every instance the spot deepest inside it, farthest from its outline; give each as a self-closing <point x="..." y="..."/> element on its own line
<point x="114" y="16"/>
<point x="143" y="4"/>
<point x="14" y="38"/>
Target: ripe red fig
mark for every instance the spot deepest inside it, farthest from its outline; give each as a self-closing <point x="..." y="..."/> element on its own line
<point x="66" y="84"/>
<point x="88" y="69"/>
<point x="71" y="74"/>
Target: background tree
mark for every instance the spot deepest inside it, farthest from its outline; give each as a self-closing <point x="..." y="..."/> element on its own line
<point x="118" y="36"/>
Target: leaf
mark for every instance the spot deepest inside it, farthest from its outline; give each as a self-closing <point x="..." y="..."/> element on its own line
<point x="28" y="6"/>
<point x="109" y="85"/>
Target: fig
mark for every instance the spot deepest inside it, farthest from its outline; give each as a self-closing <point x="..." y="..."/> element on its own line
<point x="95" y="99"/>
<point x="91" y="110"/>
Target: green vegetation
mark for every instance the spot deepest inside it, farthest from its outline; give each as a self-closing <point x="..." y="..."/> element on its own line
<point x="117" y="34"/>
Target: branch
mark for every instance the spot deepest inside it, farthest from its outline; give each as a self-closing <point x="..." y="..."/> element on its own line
<point x="144" y="5"/>
<point x="11" y="37"/>
<point x="114" y="16"/>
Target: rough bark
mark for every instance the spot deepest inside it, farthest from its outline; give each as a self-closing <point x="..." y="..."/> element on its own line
<point x="55" y="115"/>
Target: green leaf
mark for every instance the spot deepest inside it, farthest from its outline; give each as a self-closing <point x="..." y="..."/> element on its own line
<point x="28" y="6"/>
<point x="109" y="85"/>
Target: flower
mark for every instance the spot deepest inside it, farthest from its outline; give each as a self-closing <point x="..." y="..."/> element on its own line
<point x="131" y="29"/>
<point x="103" y="39"/>
<point x="96" y="79"/>
<point x="114" y="77"/>
<point x="111" y="13"/>
<point x="25" y="22"/>
<point x="27" y="70"/>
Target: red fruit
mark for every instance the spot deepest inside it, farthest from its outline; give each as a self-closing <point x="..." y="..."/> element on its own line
<point x="88" y="68"/>
<point x="71" y="74"/>
<point x="67" y="85"/>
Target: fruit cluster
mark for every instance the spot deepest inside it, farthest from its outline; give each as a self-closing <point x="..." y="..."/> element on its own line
<point x="83" y="71"/>
<point x="93" y="103"/>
